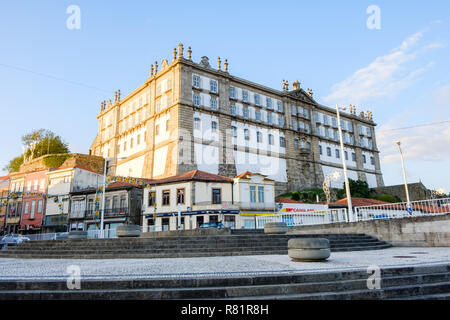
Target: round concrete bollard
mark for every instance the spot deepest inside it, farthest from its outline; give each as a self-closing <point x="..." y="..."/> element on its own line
<point x="309" y="249"/>
<point x="275" y="228"/>
<point x="128" y="231"/>
<point x="78" y="235"/>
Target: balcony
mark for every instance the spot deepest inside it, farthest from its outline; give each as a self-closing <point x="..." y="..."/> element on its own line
<point x="305" y="151"/>
<point x="114" y="212"/>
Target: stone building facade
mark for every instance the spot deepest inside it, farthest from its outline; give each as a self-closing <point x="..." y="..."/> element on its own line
<point x="189" y="116"/>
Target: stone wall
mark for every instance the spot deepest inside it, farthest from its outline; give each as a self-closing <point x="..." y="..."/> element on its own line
<point x="93" y="163"/>
<point x="433" y="231"/>
<point x="417" y="191"/>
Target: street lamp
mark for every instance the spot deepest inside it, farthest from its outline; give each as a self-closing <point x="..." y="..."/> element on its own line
<point x="102" y="219"/>
<point x="344" y="165"/>
<point x="404" y="175"/>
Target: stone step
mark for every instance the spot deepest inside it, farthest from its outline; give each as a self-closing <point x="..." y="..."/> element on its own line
<point x="394" y="287"/>
<point x="122" y="251"/>
<point x="219" y="244"/>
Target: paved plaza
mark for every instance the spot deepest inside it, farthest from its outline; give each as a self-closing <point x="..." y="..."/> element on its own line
<point x="34" y="269"/>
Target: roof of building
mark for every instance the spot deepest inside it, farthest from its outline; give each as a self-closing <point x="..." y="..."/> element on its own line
<point x="358" y="202"/>
<point x="194" y="175"/>
<point x="246" y="174"/>
<point x="287" y="200"/>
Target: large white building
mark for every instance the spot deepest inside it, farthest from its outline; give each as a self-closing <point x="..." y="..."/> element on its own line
<point x="190" y="116"/>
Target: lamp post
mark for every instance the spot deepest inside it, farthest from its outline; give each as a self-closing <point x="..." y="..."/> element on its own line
<point x="344" y="165"/>
<point x="404" y="175"/>
<point x="102" y="219"/>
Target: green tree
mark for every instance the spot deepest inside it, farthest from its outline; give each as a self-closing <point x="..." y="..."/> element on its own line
<point x="38" y="143"/>
<point x="359" y="189"/>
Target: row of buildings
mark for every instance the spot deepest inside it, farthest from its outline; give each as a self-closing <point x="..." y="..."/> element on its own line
<point x="71" y="198"/>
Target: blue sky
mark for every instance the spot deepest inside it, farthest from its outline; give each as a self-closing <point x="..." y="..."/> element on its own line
<point x="400" y="72"/>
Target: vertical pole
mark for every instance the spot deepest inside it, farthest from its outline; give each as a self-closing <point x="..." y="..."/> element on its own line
<point x="404" y="175"/>
<point x="344" y="165"/>
<point x="103" y="201"/>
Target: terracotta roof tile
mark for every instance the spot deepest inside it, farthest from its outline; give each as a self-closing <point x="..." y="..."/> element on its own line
<point x="359" y="202"/>
<point x="286" y="200"/>
<point x="194" y="175"/>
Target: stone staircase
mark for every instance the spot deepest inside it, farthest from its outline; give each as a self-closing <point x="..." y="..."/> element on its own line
<point x="240" y="242"/>
<point x="412" y="282"/>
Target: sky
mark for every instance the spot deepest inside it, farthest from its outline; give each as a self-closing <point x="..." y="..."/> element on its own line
<point x="393" y="62"/>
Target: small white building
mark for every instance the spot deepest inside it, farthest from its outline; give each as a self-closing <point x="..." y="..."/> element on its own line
<point x="196" y="197"/>
<point x="61" y="182"/>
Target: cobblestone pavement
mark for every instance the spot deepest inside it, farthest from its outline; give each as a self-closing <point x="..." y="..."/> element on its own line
<point x="216" y="266"/>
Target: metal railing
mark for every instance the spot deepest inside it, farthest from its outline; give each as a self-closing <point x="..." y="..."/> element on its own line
<point x="421" y="208"/>
<point x="303" y="219"/>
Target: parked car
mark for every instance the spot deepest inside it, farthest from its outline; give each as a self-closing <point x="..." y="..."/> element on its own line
<point x="14" y="239"/>
<point x="212" y="225"/>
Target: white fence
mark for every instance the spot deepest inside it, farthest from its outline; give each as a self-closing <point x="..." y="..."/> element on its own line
<point x="304" y="219"/>
<point x="403" y="210"/>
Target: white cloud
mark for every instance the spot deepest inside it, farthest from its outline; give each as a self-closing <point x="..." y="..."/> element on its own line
<point x="384" y="77"/>
<point x="428" y="143"/>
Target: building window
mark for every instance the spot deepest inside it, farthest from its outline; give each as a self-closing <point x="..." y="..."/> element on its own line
<point x="372" y="160"/>
<point x="306" y="113"/>
<point x="246" y="134"/>
<point x="270" y="139"/>
<point x="213" y="103"/>
<point x="294" y="125"/>
<point x="197" y="123"/>
<point x="216" y="196"/>
<point x="338" y="155"/>
<point x="257" y="99"/>
<point x="280" y="106"/>
<point x="180" y="196"/>
<point x="234" y="131"/>
<point x="296" y="143"/>
<point x="258" y="115"/>
<point x="33" y="209"/>
<point x="329" y="151"/>
<point x="27" y="207"/>
<point x="334" y="122"/>
<point x="325" y="119"/>
<point x="167" y="125"/>
<point x="138" y="139"/>
<point x="280" y="121"/>
<point x="252" y="194"/>
<point x="282" y="142"/>
<point x="166" y="198"/>
<point x="196" y="81"/>
<point x="258" y="137"/>
<point x="232" y="92"/>
<point x="196" y="100"/>
<point x="125" y="146"/>
<point x="269" y="118"/>
<point x="346" y="155"/>
<point x="214" y="126"/>
<point x="245" y="95"/>
<point x="364" y="158"/>
<point x="233" y="110"/>
<point x="131" y="143"/>
<point x="269" y="103"/>
<point x="156" y="129"/>
<point x="35" y="185"/>
<point x="261" y="194"/>
<point x="245" y="111"/>
<point x="39" y="208"/>
<point x="353" y="157"/>
<point x="213" y="86"/>
<point x="320" y="149"/>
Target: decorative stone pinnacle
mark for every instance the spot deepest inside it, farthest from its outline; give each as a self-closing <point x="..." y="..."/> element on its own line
<point x="180" y="50"/>
<point x="189" y="53"/>
<point x="118" y="95"/>
<point x="174" y="54"/>
<point x="218" y="63"/>
<point x="287" y="85"/>
<point x="151" y="69"/>
<point x="156" y="67"/>
<point x="226" y="65"/>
